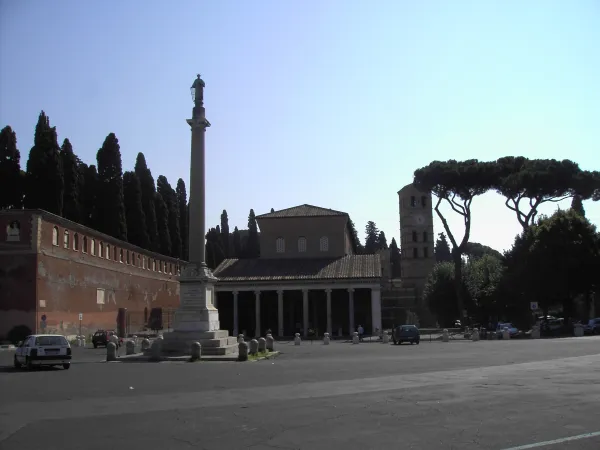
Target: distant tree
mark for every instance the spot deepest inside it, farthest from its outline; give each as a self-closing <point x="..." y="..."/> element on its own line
<point x="11" y="180"/>
<point x="372" y="238"/>
<point x="577" y="205"/>
<point x="170" y="197"/>
<point x="110" y="206"/>
<point x="237" y="243"/>
<point x="148" y="200"/>
<point x="528" y="184"/>
<point x="253" y="246"/>
<point x="482" y="278"/>
<point x="477" y="250"/>
<point x="225" y="233"/>
<point x="442" y="249"/>
<point x="71" y="207"/>
<point x="357" y="246"/>
<point x="382" y="241"/>
<point x="214" y="251"/>
<point x="440" y="295"/>
<point x="395" y="259"/>
<point x="183" y="217"/>
<point x="162" y="222"/>
<point x="457" y="183"/>
<point x="134" y="213"/>
<point x="44" y="180"/>
<point x="272" y="210"/>
<point x="88" y="192"/>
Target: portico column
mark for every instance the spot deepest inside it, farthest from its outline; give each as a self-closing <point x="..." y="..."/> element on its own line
<point x="351" y="309"/>
<point x="375" y="309"/>
<point x="305" y="311"/>
<point x="257" y="313"/>
<point x="280" y="312"/>
<point x="235" y="313"/>
<point x="328" y="292"/>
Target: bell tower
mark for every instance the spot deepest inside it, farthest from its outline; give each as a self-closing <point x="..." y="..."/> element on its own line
<point x="416" y="236"/>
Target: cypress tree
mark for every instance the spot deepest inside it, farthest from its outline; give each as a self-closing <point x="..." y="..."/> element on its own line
<point x="577" y="205"/>
<point x="110" y="206"/>
<point x="148" y="200"/>
<point x="71" y="208"/>
<point x="358" y="247"/>
<point x="170" y="197"/>
<point x="237" y="243"/>
<point x="225" y="233"/>
<point x="372" y="236"/>
<point x="253" y="245"/>
<point x="162" y="222"/>
<point x="183" y="217"/>
<point x="44" y="180"/>
<point x="395" y="259"/>
<point x="382" y="241"/>
<point x="11" y="180"/>
<point x="442" y="249"/>
<point x="88" y="188"/>
<point x="134" y="214"/>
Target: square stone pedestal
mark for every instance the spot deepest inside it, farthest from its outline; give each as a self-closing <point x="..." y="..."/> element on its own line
<point x="197" y="319"/>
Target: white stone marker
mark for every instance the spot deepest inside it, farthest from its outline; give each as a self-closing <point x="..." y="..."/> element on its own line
<point x="578" y="330"/>
<point x="270" y="343"/>
<point x="253" y="347"/>
<point x="505" y="333"/>
<point x="111" y="351"/>
<point x="145" y="344"/>
<point x="262" y="345"/>
<point x="130" y="348"/>
<point x="297" y="339"/>
<point x="326" y="339"/>
<point x="535" y="332"/>
<point x="386" y="338"/>
<point x="196" y="351"/>
<point x="445" y="335"/>
<point x="156" y="350"/>
<point x="241" y="338"/>
<point x="475" y="335"/>
<point x="243" y="351"/>
<point x="355" y="339"/>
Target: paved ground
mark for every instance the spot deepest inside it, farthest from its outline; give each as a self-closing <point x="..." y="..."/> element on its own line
<point x="461" y="395"/>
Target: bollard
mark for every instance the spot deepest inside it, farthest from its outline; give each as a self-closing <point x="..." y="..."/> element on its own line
<point x="135" y="339"/>
<point x="262" y="345"/>
<point x="243" y="351"/>
<point x="535" y="332"/>
<point x="240" y="338"/>
<point x="505" y="333"/>
<point x="297" y="339"/>
<point x="196" y="351"/>
<point x="270" y="343"/>
<point x="475" y="335"/>
<point x="386" y="338"/>
<point x="156" y="350"/>
<point x="130" y="348"/>
<point x="253" y="350"/>
<point x="355" y="339"/>
<point x="326" y="339"/>
<point x="445" y="335"/>
<point x="145" y="345"/>
<point x="578" y="330"/>
<point x="491" y="335"/>
<point x="111" y="351"/>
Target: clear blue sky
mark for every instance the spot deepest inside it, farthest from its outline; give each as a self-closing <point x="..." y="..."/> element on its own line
<point x="332" y="103"/>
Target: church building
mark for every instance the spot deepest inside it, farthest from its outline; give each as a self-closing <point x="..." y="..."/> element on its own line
<point x="308" y="277"/>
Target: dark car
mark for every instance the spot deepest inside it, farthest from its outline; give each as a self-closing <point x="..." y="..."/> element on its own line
<point x="406" y="333"/>
<point x="101" y="337"/>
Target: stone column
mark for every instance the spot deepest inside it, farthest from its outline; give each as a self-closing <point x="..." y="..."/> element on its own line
<point x="305" y="311"/>
<point x="375" y="309"/>
<point x="235" y="313"/>
<point x="328" y="292"/>
<point x="351" y="309"/>
<point x="257" y="313"/>
<point x="280" y="312"/>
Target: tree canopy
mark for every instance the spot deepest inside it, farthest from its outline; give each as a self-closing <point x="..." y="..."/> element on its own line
<point x="11" y="179"/>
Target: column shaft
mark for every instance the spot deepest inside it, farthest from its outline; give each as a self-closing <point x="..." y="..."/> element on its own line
<point x="257" y="328"/>
<point x="280" y="312"/>
<point x="305" y="311"/>
<point x="328" y="292"/>
<point x="351" y="310"/>
<point x="235" y="313"/>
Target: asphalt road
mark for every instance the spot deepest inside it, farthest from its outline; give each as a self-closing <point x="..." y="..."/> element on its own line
<point x="460" y="395"/>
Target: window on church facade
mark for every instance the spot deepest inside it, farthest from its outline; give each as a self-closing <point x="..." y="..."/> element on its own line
<point x="324" y="244"/>
<point x="101" y="250"/>
<point x="66" y="239"/>
<point x="413" y="201"/>
<point x="93" y="247"/>
<point x="280" y="245"/>
<point x="414" y="236"/>
<point x="75" y="242"/>
<point x="301" y="244"/>
<point x="425" y="252"/>
<point x="84" y="244"/>
<point x="415" y="253"/>
<point x="107" y="251"/>
<point x="423" y="201"/>
<point x="425" y="236"/>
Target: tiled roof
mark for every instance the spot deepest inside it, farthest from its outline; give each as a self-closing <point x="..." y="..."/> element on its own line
<point x="263" y="269"/>
<point x="302" y="211"/>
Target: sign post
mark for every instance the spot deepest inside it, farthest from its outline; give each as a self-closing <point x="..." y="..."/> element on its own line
<point x="80" y="319"/>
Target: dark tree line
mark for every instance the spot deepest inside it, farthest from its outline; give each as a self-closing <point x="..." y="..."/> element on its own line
<point x="126" y="205"/>
<point x="526" y="185"/>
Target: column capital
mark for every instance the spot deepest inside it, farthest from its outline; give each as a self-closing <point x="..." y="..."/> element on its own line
<point x="280" y="291"/>
<point x="235" y="292"/>
<point x="257" y="293"/>
<point x="328" y="291"/>
<point x="350" y="290"/>
<point x="305" y="290"/>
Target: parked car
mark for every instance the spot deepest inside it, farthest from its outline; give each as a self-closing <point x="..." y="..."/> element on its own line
<point x="512" y="330"/>
<point x="406" y="333"/>
<point x="592" y="327"/>
<point x="102" y="338"/>
<point x="43" y="350"/>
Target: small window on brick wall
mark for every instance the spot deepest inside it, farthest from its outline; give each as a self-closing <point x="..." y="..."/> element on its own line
<point x="107" y="251"/>
<point x="280" y="245"/>
<point x="84" y="244"/>
<point x="66" y="239"/>
<point x="75" y="242"/>
<point x="101" y="250"/>
<point x="301" y="244"/>
<point x="324" y="244"/>
<point x="93" y="247"/>
<point x="55" y="236"/>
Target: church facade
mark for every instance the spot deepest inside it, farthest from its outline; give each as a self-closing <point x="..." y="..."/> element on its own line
<point x="308" y="277"/>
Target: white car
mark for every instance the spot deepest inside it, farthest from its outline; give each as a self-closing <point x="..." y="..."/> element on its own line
<point x="43" y="350"/>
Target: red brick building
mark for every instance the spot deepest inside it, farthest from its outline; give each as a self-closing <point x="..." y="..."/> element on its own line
<point x="53" y="270"/>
